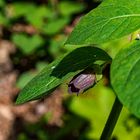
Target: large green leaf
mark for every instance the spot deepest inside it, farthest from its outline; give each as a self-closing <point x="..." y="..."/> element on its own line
<point x="59" y="71"/>
<point x="125" y="77"/>
<point x="111" y="20"/>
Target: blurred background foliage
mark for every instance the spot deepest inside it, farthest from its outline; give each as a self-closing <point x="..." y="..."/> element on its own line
<point x="36" y="31"/>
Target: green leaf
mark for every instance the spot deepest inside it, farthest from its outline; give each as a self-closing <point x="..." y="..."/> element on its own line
<point x="35" y="15"/>
<point x="38" y="15"/>
<point x="125" y="77"/>
<point x="59" y="71"/>
<point x="26" y="43"/>
<point x="111" y="20"/>
<point x="56" y="47"/>
<point x="18" y="9"/>
<point x="54" y="26"/>
<point x="3" y="20"/>
<point x="2" y="3"/>
<point x="67" y="8"/>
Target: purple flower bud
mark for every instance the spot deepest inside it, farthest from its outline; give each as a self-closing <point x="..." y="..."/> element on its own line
<point x="81" y="82"/>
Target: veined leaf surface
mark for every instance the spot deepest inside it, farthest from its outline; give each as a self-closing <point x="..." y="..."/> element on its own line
<point x="111" y="20"/>
<point x="125" y="77"/>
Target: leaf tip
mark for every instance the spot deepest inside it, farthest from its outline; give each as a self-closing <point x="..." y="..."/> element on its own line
<point x="19" y="101"/>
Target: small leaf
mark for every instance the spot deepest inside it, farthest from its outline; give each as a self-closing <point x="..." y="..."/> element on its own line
<point x="125" y="77"/>
<point x="26" y="43"/>
<point x="18" y="8"/>
<point x="54" y="26"/>
<point x="59" y="71"/>
<point x="57" y="45"/>
<point x="38" y="16"/>
<point x="67" y="8"/>
<point x="111" y="20"/>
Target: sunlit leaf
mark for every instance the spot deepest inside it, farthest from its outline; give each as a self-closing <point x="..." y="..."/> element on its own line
<point x="111" y="20"/>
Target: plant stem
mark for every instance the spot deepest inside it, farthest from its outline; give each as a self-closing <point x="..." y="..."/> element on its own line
<point x="112" y="120"/>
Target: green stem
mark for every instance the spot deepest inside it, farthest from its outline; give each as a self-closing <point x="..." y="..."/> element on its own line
<point x="112" y="120"/>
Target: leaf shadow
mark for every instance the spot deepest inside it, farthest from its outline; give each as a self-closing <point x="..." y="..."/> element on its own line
<point x="78" y="60"/>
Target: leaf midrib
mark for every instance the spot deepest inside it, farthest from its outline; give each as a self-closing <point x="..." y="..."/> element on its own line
<point x="123" y="16"/>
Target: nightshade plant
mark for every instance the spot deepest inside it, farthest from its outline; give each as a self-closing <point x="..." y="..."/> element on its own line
<point x="111" y="20"/>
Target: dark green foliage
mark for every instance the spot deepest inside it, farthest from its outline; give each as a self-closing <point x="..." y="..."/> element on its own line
<point x="39" y="29"/>
<point x="59" y="71"/>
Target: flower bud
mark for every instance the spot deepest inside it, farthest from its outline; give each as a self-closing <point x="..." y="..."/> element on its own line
<point x="81" y="82"/>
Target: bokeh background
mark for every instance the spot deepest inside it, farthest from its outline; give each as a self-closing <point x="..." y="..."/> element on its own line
<point x="32" y="35"/>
